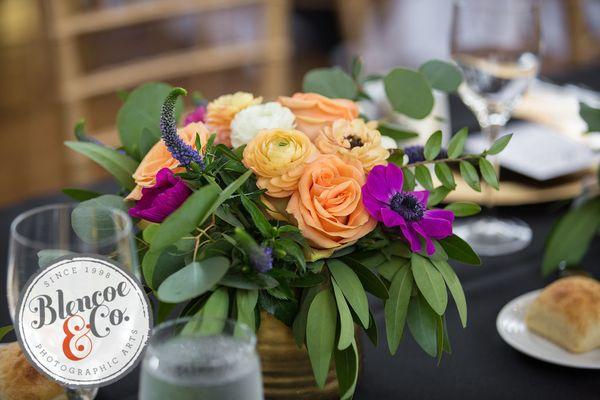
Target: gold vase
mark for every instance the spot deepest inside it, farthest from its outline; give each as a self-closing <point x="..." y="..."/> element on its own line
<point x="286" y="369"/>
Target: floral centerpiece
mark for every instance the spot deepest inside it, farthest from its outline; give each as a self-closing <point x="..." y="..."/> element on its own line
<point x="297" y="207"/>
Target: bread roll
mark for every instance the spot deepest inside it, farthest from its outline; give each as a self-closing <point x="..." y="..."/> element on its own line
<point x="20" y="381"/>
<point x="568" y="313"/>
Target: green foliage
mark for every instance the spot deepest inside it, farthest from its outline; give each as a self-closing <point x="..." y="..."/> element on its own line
<point x="591" y="116"/>
<point x="430" y="283"/>
<point x="489" y="173"/>
<point x="437" y="196"/>
<point x="80" y="194"/>
<point x="140" y="115"/>
<point x="424" y="177"/>
<point x="463" y="209"/>
<point x="470" y="175"/>
<point x="346" y="368"/>
<point x="457" y="143"/>
<point x="93" y="220"/>
<point x="351" y="288"/>
<point x="395" y="132"/>
<point x="118" y="165"/>
<point x="460" y="250"/>
<point x="433" y="145"/>
<point x="571" y="236"/>
<point x="245" y="301"/>
<point x="499" y="144"/>
<point x="409" y="92"/>
<point x="442" y="75"/>
<point x="320" y="334"/>
<point x="397" y="306"/>
<point x="455" y="288"/>
<point x="422" y="323"/>
<point x="330" y="82"/>
<point x="444" y="174"/>
<point x="346" y="336"/>
<point x="299" y="325"/>
<point x="369" y="279"/>
<point x="5" y="330"/>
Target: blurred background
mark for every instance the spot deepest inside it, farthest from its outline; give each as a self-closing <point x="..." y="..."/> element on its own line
<point x="61" y="60"/>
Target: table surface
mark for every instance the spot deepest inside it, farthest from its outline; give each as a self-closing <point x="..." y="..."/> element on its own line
<point x="481" y="364"/>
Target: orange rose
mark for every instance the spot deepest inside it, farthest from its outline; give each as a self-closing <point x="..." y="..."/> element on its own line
<point x="328" y="204"/>
<point x="159" y="157"/>
<point x="220" y="113"/>
<point x="277" y="157"/>
<point x="314" y="112"/>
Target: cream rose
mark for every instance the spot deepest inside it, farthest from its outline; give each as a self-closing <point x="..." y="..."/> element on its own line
<point x="248" y="122"/>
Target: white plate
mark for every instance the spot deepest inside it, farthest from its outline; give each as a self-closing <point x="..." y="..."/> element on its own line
<point x="511" y="327"/>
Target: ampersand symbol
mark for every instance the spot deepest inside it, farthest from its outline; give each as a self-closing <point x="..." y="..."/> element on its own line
<point x="76" y="345"/>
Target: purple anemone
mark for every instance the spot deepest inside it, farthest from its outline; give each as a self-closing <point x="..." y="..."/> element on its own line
<point x="198" y="115"/>
<point x="160" y="200"/>
<point x="388" y="203"/>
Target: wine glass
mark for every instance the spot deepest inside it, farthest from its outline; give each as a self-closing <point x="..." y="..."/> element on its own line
<point x="201" y="358"/>
<point x="41" y="235"/>
<point x="496" y="44"/>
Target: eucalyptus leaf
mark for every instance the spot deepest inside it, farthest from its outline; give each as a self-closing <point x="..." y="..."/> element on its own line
<point x="430" y="283"/>
<point x="457" y="143"/>
<point x="463" y="208"/>
<point x="94" y="220"/>
<point x="442" y="75"/>
<point x="118" y="165"/>
<point x="185" y="219"/>
<point x="330" y="82"/>
<point x="159" y="265"/>
<point x="469" y="174"/>
<point x="422" y="323"/>
<point x="320" y="334"/>
<point x="424" y="177"/>
<point x="460" y="250"/>
<point x="433" y="145"/>
<point x="346" y="367"/>
<point x="409" y="93"/>
<point x="140" y="114"/>
<point x="351" y="287"/>
<point x="499" y="144"/>
<point x="346" y="335"/>
<point x="397" y="306"/>
<point x="46" y="257"/>
<point x="489" y="173"/>
<point x="455" y="288"/>
<point x="147" y="141"/>
<point x="193" y="280"/>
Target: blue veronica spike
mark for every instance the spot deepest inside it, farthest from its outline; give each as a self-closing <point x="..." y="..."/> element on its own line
<point x="181" y="151"/>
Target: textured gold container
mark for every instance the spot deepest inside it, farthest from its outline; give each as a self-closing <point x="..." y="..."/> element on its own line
<point x="286" y="369"/>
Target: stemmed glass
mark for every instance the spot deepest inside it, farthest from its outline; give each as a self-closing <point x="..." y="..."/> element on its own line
<point x="496" y="44"/>
<point x="43" y="234"/>
<point x="201" y="358"/>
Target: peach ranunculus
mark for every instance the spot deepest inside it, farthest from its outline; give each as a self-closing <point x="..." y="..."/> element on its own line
<point x="221" y="111"/>
<point x="354" y="140"/>
<point x="159" y="157"/>
<point x="277" y="157"/>
<point x="314" y="112"/>
<point x="328" y="204"/>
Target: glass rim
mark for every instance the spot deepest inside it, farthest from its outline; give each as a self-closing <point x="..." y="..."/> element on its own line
<point x="515" y="7"/>
<point x="121" y="232"/>
<point x="249" y="336"/>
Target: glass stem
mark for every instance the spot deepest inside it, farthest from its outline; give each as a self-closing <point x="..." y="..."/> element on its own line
<point x="491" y="133"/>
<point x="81" y="394"/>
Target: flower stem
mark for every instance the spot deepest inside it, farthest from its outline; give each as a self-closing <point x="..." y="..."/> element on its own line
<point x="445" y="160"/>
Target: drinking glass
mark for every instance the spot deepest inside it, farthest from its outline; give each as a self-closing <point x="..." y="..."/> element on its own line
<point x="40" y="235"/>
<point x="198" y="358"/>
<point x="496" y="44"/>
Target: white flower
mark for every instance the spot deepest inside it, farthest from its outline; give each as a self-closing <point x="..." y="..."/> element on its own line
<point x="248" y="122"/>
<point x="388" y="143"/>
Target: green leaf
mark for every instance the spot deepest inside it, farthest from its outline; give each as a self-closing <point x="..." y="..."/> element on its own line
<point x="259" y="219"/>
<point x="5" y="330"/>
<point x="330" y="82"/>
<point x="118" y="165"/>
<point x="433" y="146"/>
<point x="424" y="177"/>
<point x="158" y="266"/>
<point x="245" y="301"/>
<point x="409" y="93"/>
<point x="440" y="338"/>
<point x="213" y="315"/>
<point x="346" y="368"/>
<point x="409" y="180"/>
<point x="357" y="68"/>
<point x="460" y="250"/>
<point x="186" y="218"/>
<point x="80" y="194"/>
<point x="320" y="334"/>
<point x="308" y="280"/>
<point x="463" y="208"/>
<point x="394" y="131"/>
<point x="571" y="236"/>
<point x="444" y="174"/>
<point x="346" y="322"/>
<point x="442" y="75"/>
<point x="430" y="283"/>
<point x="422" y="323"/>
<point x="147" y="141"/>
<point x="396" y="307"/>
<point x="455" y="288"/>
<point x="437" y="196"/>
<point x="489" y="173"/>
<point x="299" y="325"/>
<point x="389" y="268"/>
<point x="283" y="310"/>
<point x="499" y="144"/>
<point x="193" y="280"/>
<point x="141" y="111"/>
<point x="371" y="331"/>
<point x="469" y="174"/>
<point x="369" y="279"/>
<point x="351" y="287"/>
<point x="94" y="221"/>
<point x="46" y="257"/>
<point x="149" y="232"/>
<point x="457" y="143"/>
<point x="163" y="311"/>
<point x="591" y="116"/>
